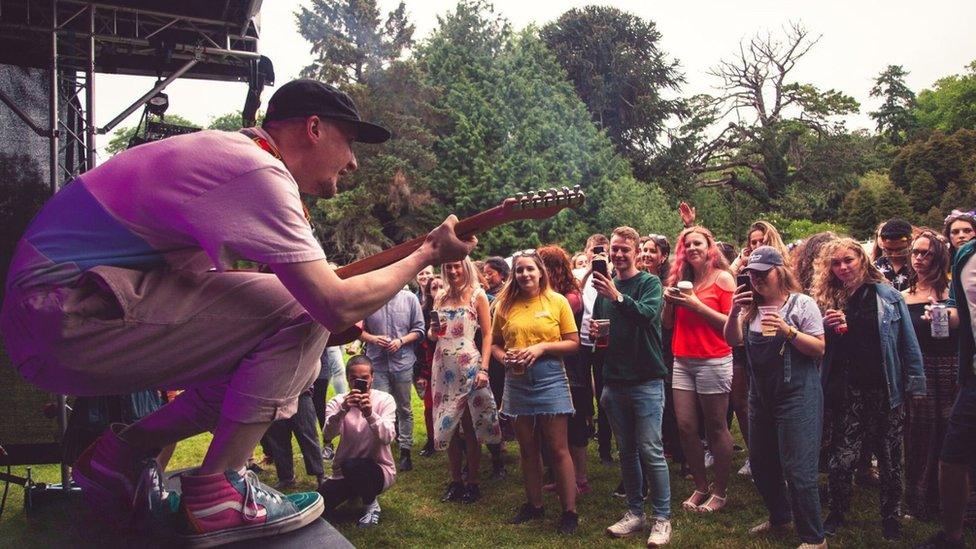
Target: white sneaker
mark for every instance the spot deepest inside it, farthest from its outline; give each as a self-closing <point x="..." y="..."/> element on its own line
<point x="746" y="470"/>
<point x="709" y="459"/>
<point x="629" y="524"/>
<point x="371" y="517"/>
<point x="660" y="532"/>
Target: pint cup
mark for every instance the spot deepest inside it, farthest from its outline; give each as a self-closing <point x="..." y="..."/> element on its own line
<point x="764" y="311"/>
<point x="602" y="328"/>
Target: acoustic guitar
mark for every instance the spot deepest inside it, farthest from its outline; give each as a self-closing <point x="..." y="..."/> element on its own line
<point x="541" y="204"/>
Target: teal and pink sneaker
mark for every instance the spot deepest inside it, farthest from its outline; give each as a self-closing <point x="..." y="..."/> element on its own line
<point x="235" y="506"/>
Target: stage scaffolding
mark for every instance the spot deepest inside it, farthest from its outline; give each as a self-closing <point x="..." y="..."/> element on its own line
<point x="73" y="40"/>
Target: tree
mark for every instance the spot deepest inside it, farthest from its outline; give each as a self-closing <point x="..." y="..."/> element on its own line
<point x="615" y="63"/>
<point x="349" y="39"/>
<point x="926" y="169"/>
<point x="895" y="118"/>
<point x="875" y="200"/>
<point x="513" y="124"/>
<point x="123" y="135"/>
<point x="951" y="104"/>
<point x="386" y="200"/>
<point x="773" y="115"/>
<point x="232" y="121"/>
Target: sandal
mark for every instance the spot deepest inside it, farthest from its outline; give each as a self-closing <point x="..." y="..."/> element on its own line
<point x="692" y="503"/>
<point x="707" y="507"/>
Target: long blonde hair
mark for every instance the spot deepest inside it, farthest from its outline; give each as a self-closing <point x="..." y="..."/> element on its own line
<point x="771" y="237"/>
<point x="450" y="292"/>
<point x="827" y="289"/>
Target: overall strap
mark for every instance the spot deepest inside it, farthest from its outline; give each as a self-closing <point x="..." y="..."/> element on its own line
<point x="786" y="351"/>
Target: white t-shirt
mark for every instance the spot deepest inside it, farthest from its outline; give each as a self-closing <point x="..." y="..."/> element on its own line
<point x="805" y="316"/>
<point x="589" y="298"/>
<point x="193" y="201"/>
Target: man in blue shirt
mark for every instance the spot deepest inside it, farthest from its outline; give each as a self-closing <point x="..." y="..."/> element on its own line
<point x="389" y="335"/>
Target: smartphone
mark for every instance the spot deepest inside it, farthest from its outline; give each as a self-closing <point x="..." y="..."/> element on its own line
<point x="435" y="318"/>
<point x="360" y="384"/>
<point x="599" y="265"/>
<point x="743" y="279"/>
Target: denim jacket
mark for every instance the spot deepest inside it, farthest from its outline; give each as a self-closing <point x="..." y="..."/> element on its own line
<point x="901" y="356"/>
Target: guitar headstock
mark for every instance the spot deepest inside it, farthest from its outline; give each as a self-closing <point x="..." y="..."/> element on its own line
<point x="542" y="203"/>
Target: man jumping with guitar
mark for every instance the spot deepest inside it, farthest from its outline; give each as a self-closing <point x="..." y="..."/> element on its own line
<point x="111" y="290"/>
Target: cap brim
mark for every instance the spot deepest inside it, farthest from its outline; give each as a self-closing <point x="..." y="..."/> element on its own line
<point x="367" y="132"/>
<point x="758" y="267"/>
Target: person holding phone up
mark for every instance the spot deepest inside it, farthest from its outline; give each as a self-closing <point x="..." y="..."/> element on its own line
<point x="363" y="419"/>
<point x="782" y="331"/>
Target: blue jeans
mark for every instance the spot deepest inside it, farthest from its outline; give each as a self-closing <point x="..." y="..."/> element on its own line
<point x="785" y="425"/>
<point x="399" y="384"/>
<point x="635" y="412"/>
<point x="334" y="370"/>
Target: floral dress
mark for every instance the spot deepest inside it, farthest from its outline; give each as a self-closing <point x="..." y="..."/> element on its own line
<point x="456" y="363"/>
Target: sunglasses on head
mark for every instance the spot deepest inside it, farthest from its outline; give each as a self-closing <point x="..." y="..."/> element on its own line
<point x="529" y="252"/>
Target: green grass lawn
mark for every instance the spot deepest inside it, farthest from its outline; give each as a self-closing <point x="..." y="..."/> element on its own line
<point x="413" y="515"/>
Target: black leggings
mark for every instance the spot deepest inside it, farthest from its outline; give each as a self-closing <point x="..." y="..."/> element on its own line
<point x="361" y="477"/>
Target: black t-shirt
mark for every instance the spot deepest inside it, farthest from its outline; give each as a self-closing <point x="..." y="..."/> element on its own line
<point x="931" y="346"/>
<point x="860" y="349"/>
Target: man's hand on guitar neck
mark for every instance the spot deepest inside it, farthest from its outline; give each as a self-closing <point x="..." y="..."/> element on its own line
<point x="338" y="303"/>
<point x="444" y="245"/>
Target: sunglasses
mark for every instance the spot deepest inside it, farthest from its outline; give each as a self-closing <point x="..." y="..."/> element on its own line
<point x="523" y="253"/>
<point x="759" y="274"/>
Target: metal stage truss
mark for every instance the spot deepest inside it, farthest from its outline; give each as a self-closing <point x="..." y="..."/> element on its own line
<point x="73" y="40"/>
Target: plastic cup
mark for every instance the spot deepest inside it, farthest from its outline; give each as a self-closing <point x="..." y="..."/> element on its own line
<point x="516" y="367"/>
<point x="603" y="332"/>
<point x="766" y="310"/>
<point x="685" y="287"/>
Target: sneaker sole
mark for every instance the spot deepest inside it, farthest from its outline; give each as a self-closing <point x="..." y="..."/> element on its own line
<point x="625" y="535"/>
<point x="281" y="526"/>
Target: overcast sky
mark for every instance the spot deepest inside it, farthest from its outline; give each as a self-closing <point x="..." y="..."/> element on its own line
<point x="859" y="38"/>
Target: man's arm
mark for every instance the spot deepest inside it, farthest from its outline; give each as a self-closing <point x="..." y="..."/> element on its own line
<point x="337" y="304"/>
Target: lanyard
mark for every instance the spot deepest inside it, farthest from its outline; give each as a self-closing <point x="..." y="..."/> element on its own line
<point x="270" y="148"/>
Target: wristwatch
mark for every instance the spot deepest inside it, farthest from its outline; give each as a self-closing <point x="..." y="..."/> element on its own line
<point x="620" y="297"/>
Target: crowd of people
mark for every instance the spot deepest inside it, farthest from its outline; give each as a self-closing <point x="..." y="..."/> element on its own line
<point x="835" y="356"/>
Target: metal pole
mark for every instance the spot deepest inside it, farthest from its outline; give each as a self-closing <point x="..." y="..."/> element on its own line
<point x="53" y="100"/>
<point x="55" y="176"/>
<point x="160" y="86"/>
<point x="90" y="93"/>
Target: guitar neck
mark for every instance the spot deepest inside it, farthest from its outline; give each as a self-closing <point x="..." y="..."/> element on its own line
<point x="465" y="228"/>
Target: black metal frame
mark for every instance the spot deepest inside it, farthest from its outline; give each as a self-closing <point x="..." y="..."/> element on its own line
<point x="74" y="39"/>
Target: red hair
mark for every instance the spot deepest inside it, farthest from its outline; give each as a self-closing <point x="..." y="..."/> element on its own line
<point x="681" y="269"/>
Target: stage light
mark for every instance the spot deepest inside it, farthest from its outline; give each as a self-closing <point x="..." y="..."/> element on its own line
<point x="158" y="104"/>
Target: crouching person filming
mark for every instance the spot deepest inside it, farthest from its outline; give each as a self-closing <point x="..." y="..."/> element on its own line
<point x="363" y="419"/>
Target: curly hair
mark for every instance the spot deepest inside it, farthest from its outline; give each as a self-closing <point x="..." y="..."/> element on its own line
<point x="560" y="272"/>
<point x="681" y="269"/>
<point x="827" y="289"/>
<point x="805" y="255"/>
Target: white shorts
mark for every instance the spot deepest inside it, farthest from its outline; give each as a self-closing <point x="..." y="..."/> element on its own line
<point x="705" y="376"/>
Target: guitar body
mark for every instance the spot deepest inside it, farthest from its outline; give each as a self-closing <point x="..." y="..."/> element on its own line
<point x="541" y="204"/>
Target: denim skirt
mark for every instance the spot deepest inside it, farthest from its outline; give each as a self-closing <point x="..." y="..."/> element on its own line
<point x="542" y="390"/>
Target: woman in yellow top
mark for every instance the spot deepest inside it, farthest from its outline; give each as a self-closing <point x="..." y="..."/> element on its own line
<point x="533" y="327"/>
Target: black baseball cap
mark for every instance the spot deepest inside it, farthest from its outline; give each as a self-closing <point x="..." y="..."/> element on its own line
<point x="764" y="258"/>
<point x="896" y="228"/>
<point x="306" y="97"/>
